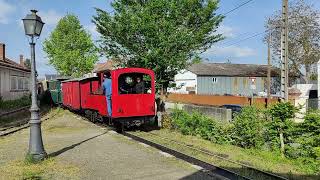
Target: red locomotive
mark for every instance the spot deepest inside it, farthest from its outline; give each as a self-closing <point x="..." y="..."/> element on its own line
<point x="128" y="108"/>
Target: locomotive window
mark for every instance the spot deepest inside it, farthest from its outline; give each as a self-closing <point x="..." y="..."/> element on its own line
<point x="134" y="83"/>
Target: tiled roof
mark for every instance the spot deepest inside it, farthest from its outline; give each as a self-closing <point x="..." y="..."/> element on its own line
<point x="227" y="69"/>
<point x="107" y="66"/>
<point x="12" y="64"/>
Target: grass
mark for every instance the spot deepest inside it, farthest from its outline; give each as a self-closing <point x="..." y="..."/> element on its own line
<point x="264" y="160"/>
<point x="46" y="169"/>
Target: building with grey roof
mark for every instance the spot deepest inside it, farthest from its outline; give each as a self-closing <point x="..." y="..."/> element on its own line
<point x="226" y="79"/>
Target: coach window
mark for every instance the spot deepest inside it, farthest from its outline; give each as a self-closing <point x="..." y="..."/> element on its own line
<point x="134" y="83"/>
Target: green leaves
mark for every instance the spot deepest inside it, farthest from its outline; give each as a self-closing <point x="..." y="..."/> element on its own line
<point x="70" y="48"/>
<point x="197" y="124"/>
<point x="248" y="128"/>
<point x="163" y="35"/>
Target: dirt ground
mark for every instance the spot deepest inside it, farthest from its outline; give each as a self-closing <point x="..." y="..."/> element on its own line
<point x="78" y="149"/>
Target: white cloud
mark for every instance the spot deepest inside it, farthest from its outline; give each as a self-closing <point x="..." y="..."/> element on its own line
<point x="92" y="29"/>
<point x="5" y="10"/>
<point x="233" y="51"/>
<point x="50" y="17"/>
<point x="226" y="31"/>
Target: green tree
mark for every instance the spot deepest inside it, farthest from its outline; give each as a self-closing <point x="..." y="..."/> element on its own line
<point x="163" y="35"/>
<point x="303" y="37"/>
<point x="248" y="128"/>
<point x="27" y="63"/>
<point x="70" y="48"/>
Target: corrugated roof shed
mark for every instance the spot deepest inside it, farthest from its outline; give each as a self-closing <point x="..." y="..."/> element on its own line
<point x="227" y="69"/>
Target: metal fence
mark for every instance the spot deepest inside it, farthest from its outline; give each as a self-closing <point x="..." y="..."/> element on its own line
<point x="312" y="103"/>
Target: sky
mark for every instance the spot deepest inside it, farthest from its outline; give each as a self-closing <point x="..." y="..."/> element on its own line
<point x="237" y="26"/>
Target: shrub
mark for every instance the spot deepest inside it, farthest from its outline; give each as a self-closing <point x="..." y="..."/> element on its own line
<point x="200" y="125"/>
<point x="166" y="121"/>
<point x="309" y="135"/>
<point x="248" y="128"/>
<point x="11" y="104"/>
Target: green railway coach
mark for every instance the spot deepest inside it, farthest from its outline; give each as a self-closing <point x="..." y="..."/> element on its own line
<point x="54" y="86"/>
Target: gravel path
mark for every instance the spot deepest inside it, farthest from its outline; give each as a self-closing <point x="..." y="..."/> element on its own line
<point x="82" y="150"/>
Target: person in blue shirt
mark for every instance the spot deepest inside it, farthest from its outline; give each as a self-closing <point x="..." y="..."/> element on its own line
<point x="107" y="90"/>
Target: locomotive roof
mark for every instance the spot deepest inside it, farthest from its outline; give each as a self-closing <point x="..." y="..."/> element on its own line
<point x="80" y="79"/>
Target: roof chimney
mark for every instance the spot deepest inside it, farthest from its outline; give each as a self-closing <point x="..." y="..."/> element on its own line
<point x="2" y="52"/>
<point x="21" y="60"/>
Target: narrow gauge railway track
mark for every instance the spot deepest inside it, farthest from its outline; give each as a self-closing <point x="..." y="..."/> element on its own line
<point x="264" y="174"/>
<point x="12" y="129"/>
<point x="14" y="111"/>
<point x="211" y="169"/>
<point x="206" y="165"/>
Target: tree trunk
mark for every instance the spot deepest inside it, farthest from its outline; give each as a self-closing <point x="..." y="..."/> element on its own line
<point x="307" y="67"/>
<point x="281" y="143"/>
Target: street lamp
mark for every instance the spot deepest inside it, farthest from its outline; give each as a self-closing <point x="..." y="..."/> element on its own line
<point x="33" y="26"/>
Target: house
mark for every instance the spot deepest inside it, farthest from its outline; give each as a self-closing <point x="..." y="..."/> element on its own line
<point x="101" y="67"/>
<point x="226" y="79"/>
<point x="14" y="77"/>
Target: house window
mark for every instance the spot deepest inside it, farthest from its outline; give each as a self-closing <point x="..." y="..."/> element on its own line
<point x="26" y="84"/>
<point x="214" y="80"/>
<point x="20" y="83"/>
<point x="13" y="82"/>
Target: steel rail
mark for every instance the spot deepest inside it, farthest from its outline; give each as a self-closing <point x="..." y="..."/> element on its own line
<point x="14" y="111"/>
<point x="271" y="175"/>
<point x="180" y="155"/>
<point x="210" y="167"/>
<point x="20" y="127"/>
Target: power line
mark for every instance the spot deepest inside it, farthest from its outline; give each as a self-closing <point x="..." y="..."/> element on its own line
<point x="245" y="39"/>
<point x="237" y="7"/>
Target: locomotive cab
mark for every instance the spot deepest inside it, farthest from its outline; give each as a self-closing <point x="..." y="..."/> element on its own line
<point x="133" y="96"/>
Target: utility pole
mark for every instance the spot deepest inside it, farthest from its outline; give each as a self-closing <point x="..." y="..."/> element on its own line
<point x="269" y="69"/>
<point x="284" y="52"/>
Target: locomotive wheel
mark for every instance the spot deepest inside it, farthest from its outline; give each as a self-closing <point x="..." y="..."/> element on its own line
<point x="99" y="118"/>
<point x="119" y="127"/>
<point x="94" y="117"/>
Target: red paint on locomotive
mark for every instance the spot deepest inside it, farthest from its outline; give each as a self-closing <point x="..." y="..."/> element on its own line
<point x="81" y="94"/>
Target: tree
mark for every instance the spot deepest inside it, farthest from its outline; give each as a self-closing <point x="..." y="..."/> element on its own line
<point x="70" y="48"/>
<point x="27" y="63"/>
<point x="163" y="35"/>
<point x="304" y="36"/>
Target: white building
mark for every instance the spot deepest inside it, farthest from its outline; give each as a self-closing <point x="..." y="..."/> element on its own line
<point x="14" y="77"/>
<point x="185" y="81"/>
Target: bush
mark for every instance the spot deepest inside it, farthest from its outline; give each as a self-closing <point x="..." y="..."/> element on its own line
<point x="248" y="128"/>
<point x="167" y="121"/>
<point x="200" y="125"/>
<point x="309" y="135"/>
<point x="281" y="124"/>
<point x="17" y="103"/>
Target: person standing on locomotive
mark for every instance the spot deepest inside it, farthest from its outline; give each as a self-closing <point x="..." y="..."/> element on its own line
<point x="107" y="90"/>
<point x="139" y="88"/>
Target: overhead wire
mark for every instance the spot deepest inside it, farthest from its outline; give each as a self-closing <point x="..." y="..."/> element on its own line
<point x="237" y="7"/>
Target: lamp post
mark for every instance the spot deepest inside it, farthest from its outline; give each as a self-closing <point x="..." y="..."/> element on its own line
<point x="33" y="26"/>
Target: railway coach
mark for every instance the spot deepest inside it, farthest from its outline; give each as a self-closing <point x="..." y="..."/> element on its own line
<point x="129" y="108"/>
<point x="54" y="87"/>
